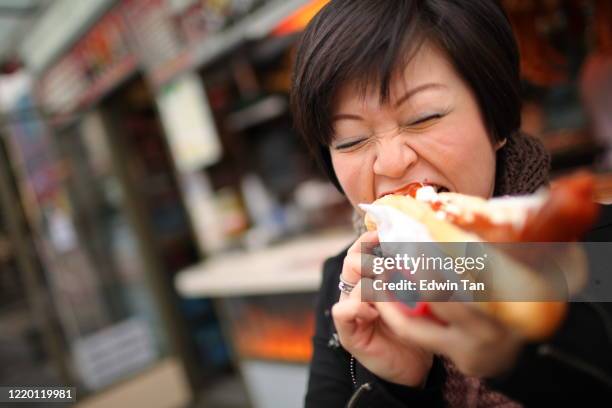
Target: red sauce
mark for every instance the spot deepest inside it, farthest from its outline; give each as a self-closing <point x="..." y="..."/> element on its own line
<point x="567" y="214"/>
<point x="410" y="189"/>
<point x="436" y="205"/>
<point x="479" y="224"/>
<point x="487" y="230"/>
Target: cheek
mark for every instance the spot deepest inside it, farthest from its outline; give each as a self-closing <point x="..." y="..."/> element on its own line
<point x="354" y="176"/>
<point x="480" y="158"/>
<point x="464" y="155"/>
<point x="474" y="162"/>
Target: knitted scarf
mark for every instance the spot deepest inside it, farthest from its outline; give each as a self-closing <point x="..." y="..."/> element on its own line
<point x="522" y="167"/>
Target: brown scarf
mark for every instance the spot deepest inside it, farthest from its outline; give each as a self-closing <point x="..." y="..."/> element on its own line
<point x="523" y="166"/>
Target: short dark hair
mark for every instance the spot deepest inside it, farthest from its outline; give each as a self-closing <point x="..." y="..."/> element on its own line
<point x="366" y="42"/>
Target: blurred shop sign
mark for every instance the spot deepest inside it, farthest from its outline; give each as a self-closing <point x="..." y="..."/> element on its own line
<point x="195" y="32"/>
<point x="153" y="32"/>
<point x="92" y="67"/>
<point x="189" y="124"/>
<point x="114" y="352"/>
<point x="165" y="32"/>
<point x="62" y="86"/>
<point x="61" y="24"/>
<point x="164" y="37"/>
<point x="202" y="18"/>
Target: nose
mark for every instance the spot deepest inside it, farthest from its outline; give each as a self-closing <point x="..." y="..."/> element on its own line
<point x="393" y="156"/>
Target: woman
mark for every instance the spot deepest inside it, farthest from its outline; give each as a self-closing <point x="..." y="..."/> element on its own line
<point x="387" y="93"/>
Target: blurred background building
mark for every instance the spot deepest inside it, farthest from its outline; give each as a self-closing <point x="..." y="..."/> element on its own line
<point x="162" y="227"/>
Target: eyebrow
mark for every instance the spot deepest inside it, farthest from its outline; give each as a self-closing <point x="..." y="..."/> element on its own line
<point x="347" y="116"/>
<point x="414" y="91"/>
<point x="400" y="101"/>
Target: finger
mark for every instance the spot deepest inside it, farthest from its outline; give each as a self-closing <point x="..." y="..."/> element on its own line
<point x="357" y="292"/>
<point x="356" y="263"/>
<point x="363" y="292"/>
<point x="421" y="331"/>
<point x="356" y="266"/>
<point x="365" y="243"/>
<point x="351" y="273"/>
<point x="348" y="317"/>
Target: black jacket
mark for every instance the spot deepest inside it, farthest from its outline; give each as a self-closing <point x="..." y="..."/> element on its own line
<point x="576" y="363"/>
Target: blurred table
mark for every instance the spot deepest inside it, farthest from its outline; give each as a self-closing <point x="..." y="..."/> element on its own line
<point x="265" y="301"/>
<point x="290" y="267"/>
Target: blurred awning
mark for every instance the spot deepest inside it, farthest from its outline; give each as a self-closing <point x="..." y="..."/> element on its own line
<point x="298" y="20"/>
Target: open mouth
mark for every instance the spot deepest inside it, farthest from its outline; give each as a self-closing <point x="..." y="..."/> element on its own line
<point x="440" y="189"/>
<point x="412" y="188"/>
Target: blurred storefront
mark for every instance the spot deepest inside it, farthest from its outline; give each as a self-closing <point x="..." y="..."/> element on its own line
<point x="140" y="152"/>
<point x="111" y="295"/>
<point x="106" y="207"/>
<point x="277" y="219"/>
<point x="256" y="198"/>
<point x="154" y="148"/>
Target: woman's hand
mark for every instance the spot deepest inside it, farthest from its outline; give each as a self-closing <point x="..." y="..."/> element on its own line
<point x="362" y="332"/>
<point x="476" y="343"/>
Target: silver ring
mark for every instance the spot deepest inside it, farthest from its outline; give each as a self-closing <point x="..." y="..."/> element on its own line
<point x="345" y="287"/>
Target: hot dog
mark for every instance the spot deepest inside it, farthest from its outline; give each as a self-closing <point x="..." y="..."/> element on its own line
<point x="563" y="213"/>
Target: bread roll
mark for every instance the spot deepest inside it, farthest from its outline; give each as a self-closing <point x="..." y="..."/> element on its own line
<point x="453" y="217"/>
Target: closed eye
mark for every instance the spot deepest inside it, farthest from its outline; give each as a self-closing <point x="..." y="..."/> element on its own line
<point x="426" y="119"/>
<point x="348" y="145"/>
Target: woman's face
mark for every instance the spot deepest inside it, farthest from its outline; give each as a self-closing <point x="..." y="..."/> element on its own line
<point x="430" y="131"/>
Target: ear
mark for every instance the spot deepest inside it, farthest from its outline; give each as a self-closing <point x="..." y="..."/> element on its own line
<point x="500" y="144"/>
